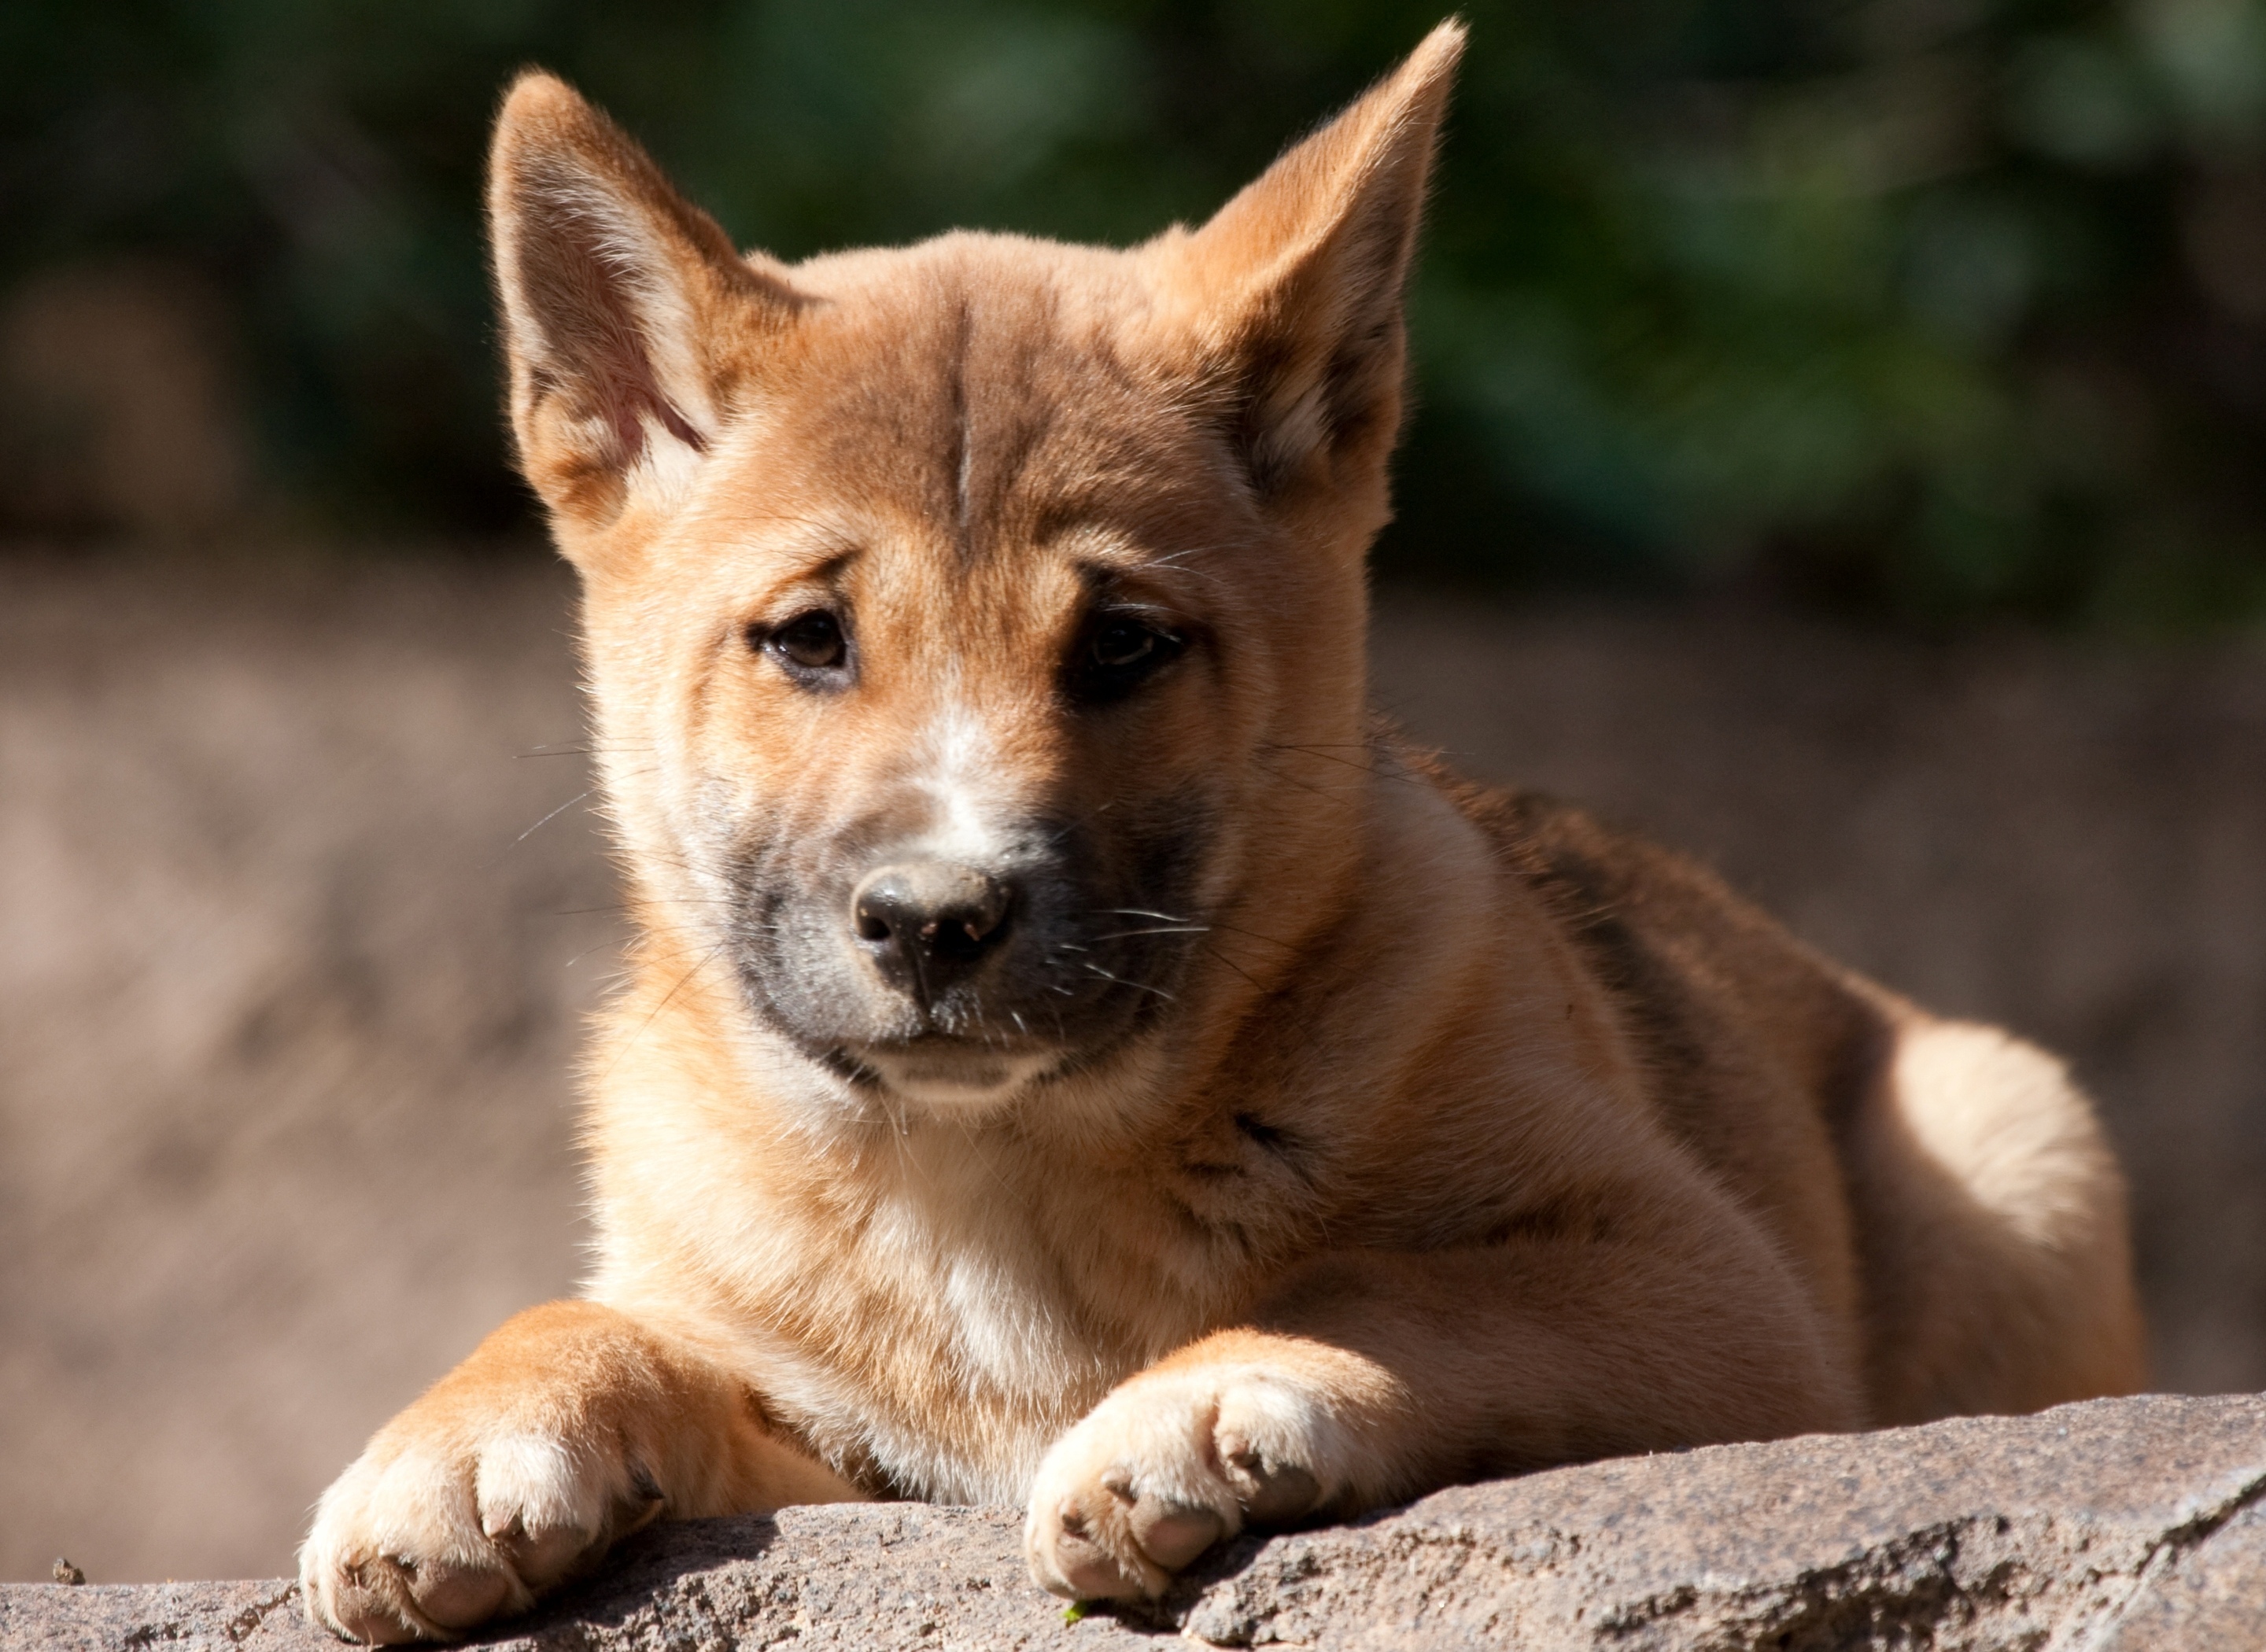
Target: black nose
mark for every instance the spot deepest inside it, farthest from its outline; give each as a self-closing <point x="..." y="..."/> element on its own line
<point x="928" y="923"/>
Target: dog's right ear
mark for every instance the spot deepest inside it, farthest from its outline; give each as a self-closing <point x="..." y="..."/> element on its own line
<point x="628" y="316"/>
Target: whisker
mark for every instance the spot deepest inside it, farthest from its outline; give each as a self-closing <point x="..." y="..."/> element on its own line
<point x="553" y="814"/>
<point x="1328" y="755"/>
<point x="585" y="749"/>
<point x="667" y="999"/>
<point x="1138" y="986"/>
<point x="1333" y="794"/>
<point x="650" y="900"/>
<point x="1231" y="964"/>
<point x="1237" y="929"/>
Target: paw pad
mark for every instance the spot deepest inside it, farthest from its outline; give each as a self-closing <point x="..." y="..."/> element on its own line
<point x="1172" y="1534"/>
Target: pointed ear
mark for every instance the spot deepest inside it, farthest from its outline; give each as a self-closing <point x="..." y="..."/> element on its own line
<point x="628" y="314"/>
<point x="1294" y="288"/>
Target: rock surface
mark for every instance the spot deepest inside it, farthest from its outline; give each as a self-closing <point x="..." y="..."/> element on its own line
<point x="2129" y="1525"/>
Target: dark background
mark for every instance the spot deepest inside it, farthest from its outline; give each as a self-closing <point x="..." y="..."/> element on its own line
<point x="1921" y="310"/>
<point x="1838" y="453"/>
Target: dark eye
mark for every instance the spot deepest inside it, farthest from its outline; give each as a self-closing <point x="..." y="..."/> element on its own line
<point x="1119" y="650"/>
<point x="1123" y="644"/>
<point x="808" y="643"/>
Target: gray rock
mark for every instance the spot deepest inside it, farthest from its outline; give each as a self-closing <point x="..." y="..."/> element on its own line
<point x="2124" y="1525"/>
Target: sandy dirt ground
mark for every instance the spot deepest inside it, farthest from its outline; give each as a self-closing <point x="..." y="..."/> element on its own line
<point x="289" y="988"/>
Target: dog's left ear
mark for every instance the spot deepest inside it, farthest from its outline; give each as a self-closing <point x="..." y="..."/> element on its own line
<point x="1293" y="289"/>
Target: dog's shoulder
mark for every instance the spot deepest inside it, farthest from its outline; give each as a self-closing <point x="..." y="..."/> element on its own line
<point x="1724" y="1006"/>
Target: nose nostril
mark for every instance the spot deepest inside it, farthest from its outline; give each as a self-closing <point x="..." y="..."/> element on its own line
<point x="871" y="926"/>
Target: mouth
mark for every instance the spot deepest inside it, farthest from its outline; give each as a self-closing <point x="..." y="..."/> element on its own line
<point x="949" y="1074"/>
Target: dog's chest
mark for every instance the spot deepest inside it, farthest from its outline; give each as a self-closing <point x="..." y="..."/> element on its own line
<point x="940" y="1342"/>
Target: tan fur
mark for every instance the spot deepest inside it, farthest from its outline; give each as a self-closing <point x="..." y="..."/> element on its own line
<point x="1442" y="1133"/>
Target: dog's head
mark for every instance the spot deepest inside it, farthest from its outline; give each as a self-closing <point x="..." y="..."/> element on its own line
<point x="976" y="628"/>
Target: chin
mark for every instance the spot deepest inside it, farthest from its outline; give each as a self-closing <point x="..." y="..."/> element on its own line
<point x="958" y="1082"/>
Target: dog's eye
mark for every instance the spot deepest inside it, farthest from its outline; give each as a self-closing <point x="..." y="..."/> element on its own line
<point x="809" y="642"/>
<point x="1118" y="652"/>
<point x="1123" y="644"/>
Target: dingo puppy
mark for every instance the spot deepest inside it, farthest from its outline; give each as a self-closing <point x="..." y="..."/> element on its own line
<point x="1071" y="1055"/>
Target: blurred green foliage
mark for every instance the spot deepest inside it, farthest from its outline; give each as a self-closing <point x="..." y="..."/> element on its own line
<point x="1936" y="308"/>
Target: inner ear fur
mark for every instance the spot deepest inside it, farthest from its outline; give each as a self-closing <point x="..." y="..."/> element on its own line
<point x="626" y="308"/>
<point x="1294" y="288"/>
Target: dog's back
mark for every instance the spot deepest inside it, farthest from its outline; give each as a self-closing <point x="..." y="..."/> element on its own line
<point x="1944" y="1188"/>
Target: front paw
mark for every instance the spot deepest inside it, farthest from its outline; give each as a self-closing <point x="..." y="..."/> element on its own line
<point x="450" y="1520"/>
<point x="1168" y="1464"/>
